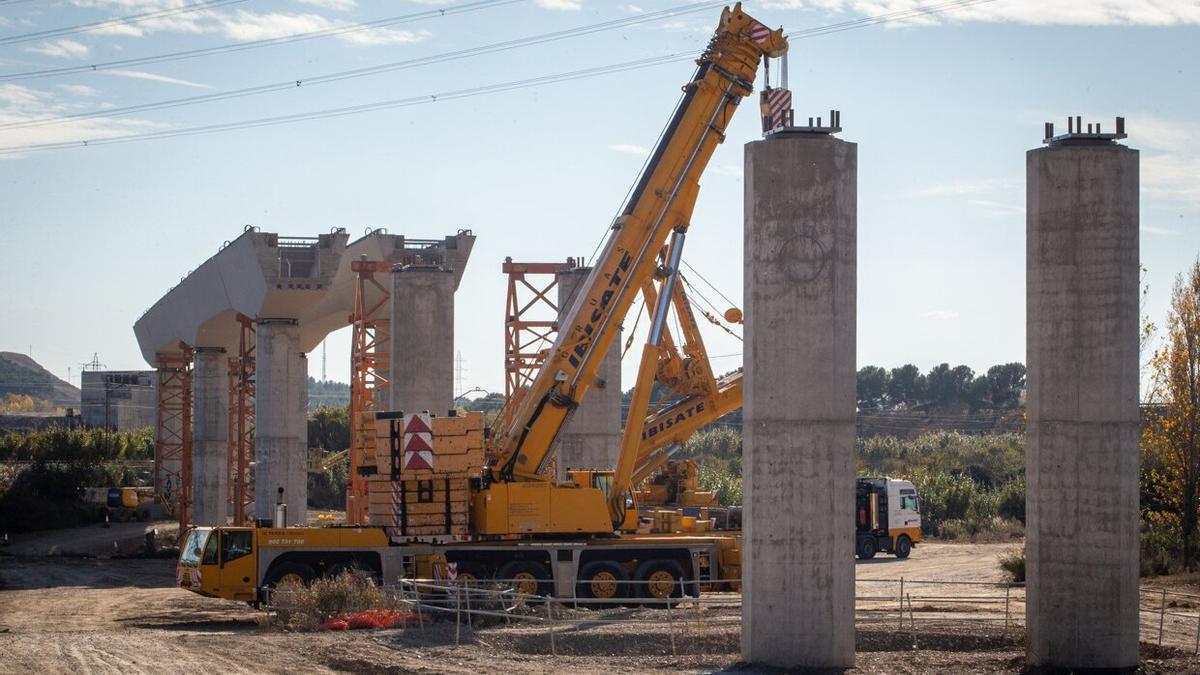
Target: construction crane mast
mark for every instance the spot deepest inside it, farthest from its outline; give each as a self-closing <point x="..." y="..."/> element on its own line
<point x="657" y="215"/>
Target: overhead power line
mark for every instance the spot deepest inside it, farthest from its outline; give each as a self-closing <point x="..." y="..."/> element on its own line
<point x="366" y="107"/>
<point x="119" y="21"/>
<point x="256" y="44"/>
<point x="469" y="92"/>
<point x="373" y="70"/>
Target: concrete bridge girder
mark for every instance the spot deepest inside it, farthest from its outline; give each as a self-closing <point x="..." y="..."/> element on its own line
<point x="304" y="281"/>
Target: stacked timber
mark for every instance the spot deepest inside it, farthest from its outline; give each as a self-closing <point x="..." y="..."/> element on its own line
<point x="424" y="465"/>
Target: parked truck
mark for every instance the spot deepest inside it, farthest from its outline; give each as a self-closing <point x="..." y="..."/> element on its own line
<point x="887" y="517"/>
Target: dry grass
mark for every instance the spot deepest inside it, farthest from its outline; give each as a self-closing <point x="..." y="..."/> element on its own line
<point x="306" y="607"/>
<point x="982" y="531"/>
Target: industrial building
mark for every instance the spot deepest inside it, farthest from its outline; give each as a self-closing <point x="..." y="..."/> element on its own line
<point x="119" y="400"/>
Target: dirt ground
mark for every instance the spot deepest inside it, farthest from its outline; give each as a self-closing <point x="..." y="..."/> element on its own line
<point x="73" y="614"/>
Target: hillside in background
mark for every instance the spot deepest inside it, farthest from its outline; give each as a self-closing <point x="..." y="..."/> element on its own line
<point x="21" y="375"/>
<point x="327" y="393"/>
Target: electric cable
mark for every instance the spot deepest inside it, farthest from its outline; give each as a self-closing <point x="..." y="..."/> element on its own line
<point x="432" y="98"/>
<point x="256" y="44"/>
<point x="118" y="21"/>
<point x="370" y="70"/>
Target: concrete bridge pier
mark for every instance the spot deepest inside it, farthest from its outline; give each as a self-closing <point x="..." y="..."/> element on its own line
<point x="1081" y="458"/>
<point x="210" y="436"/>
<point x="280" y="432"/>
<point x="800" y="252"/>
<point x="592" y="436"/>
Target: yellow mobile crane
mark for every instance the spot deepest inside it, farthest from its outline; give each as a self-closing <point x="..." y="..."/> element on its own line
<point x="659" y="208"/>
<point x="574" y="538"/>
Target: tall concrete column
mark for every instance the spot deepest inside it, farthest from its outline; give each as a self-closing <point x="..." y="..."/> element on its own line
<point x="592" y="437"/>
<point x="422" y="348"/>
<point x="798" y="562"/>
<point x="210" y="436"/>
<point x="280" y="444"/>
<point x="1081" y="459"/>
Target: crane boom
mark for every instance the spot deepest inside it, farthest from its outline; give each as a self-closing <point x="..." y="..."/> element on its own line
<point x="660" y="203"/>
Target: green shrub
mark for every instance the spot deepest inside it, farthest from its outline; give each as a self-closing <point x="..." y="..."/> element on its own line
<point x="49" y="495"/>
<point x="1014" y="564"/>
<point x="721" y="481"/>
<point x="1160" y="553"/>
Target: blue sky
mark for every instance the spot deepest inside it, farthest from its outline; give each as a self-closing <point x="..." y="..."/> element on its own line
<point x="942" y="107"/>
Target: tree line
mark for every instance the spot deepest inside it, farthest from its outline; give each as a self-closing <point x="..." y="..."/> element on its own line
<point x="943" y="387"/>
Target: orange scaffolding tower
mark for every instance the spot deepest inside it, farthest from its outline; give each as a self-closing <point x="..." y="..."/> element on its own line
<point x="240" y="452"/>
<point x="173" y="439"/>
<point x="526" y="339"/>
<point x="369" y="364"/>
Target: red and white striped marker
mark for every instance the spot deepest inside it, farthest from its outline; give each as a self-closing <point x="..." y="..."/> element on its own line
<point x="779" y="101"/>
<point x="759" y="33"/>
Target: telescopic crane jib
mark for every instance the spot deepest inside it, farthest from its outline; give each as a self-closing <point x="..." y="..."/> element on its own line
<point x="656" y="215"/>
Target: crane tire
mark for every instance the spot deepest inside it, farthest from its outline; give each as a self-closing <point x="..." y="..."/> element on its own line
<point x="655" y="576"/>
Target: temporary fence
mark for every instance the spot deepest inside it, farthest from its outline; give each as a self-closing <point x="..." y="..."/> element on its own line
<point x="908" y="606"/>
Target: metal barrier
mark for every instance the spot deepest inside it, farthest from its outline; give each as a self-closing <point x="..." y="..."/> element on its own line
<point x="903" y="605"/>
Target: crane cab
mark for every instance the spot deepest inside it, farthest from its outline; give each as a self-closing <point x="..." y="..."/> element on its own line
<point x="602" y="479"/>
<point x="887" y="517"/>
<point x="219" y="563"/>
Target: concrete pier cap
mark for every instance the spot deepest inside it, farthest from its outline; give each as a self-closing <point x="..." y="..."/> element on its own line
<point x="303" y="287"/>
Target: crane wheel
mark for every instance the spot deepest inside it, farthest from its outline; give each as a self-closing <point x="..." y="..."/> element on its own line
<point x="528" y="577"/>
<point x="903" y="546"/>
<point x="290" y="574"/>
<point x="470" y="573"/>
<point x="660" y="579"/>
<point x="602" y="580"/>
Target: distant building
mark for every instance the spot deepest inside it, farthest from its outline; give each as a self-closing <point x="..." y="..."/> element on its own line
<point x="122" y="400"/>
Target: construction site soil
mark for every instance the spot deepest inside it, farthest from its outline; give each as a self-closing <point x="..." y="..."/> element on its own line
<point x="69" y="613"/>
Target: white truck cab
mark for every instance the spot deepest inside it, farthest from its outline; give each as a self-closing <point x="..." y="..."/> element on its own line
<point x="887" y="517"/>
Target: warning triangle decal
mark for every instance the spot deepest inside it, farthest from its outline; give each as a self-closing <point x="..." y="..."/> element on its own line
<point x="417" y="442"/>
<point x="414" y="460"/>
<point x="417" y="425"/>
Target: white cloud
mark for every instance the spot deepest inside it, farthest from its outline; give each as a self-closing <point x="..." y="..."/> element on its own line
<point x="1033" y="12"/>
<point x="244" y="26"/>
<point x="1170" y="157"/>
<point x="728" y="170"/>
<point x="1002" y="208"/>
<point x="142" y="75"/>
<point x="337" y="5"/>
<point x="22" y="104"/>
<point x="632" y="9"/>
<point x="17" y="97"/>
<point x="941" y="315"/>
<point x="560" y="5"/>
<point x="1150" y="229"/>
<point x="61" y="48"/>
<point x="630" y="149"/>
<point x="78" y="89"/>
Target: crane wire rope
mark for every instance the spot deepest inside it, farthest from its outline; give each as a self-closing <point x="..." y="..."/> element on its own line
<point x="816" y="31"/>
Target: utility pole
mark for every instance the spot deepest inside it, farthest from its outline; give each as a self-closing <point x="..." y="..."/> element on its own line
<point x="458" y="371"/>
<point x="324" y="349"/>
